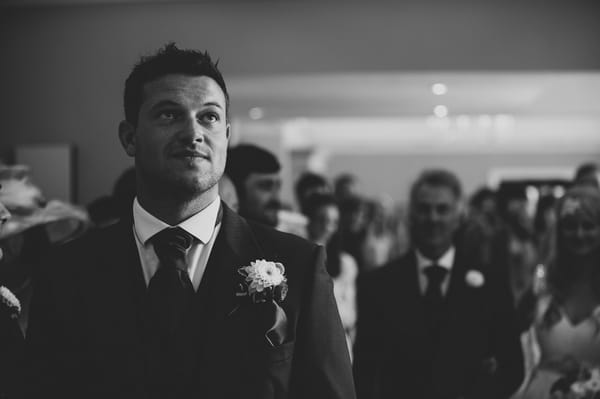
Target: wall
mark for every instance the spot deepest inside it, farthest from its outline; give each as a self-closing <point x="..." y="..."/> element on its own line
<point x="63" y="68"/>
<point x="399" y="171"/>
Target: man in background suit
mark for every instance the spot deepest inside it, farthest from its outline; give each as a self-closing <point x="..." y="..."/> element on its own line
<point x="255" y="173"/>
<point x="434" y="324"/>
<point x="174" y="303"/>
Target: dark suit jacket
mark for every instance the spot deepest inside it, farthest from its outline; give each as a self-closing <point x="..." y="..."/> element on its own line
<point x="84" y="333"/>
<point x="478" y="355"/>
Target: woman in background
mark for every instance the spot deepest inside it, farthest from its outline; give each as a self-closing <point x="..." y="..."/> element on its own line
<point x="323" y="219"/>
<point x="565" y="335"/>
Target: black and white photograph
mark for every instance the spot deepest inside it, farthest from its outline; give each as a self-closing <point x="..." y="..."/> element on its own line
<point x="278" y="199"/>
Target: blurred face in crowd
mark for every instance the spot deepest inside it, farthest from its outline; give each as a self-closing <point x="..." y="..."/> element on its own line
<point x="260" y="200"/>
<point x="324" y="223"/>
<point x="180" y="140"/>
<point x="434" y="217"/>
<point x="579" y="230"/>
<point x="516" y="209"/>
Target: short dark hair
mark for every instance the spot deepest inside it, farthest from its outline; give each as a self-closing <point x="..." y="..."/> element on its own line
<point x="586" y="175"/>
<point x="585" y="169"/>
<point x="168" y="60"/>
<point x="244" y="159"/>
<point x="438" y="178"/>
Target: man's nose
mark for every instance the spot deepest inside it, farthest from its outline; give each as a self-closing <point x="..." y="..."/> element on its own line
<point x="192" y="130"/>
<point x="433" y="215"/>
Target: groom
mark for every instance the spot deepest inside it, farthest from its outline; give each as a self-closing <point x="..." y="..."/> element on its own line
<point x="174" y="302"/>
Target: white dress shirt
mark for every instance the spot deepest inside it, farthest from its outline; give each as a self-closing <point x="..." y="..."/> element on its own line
<point x="201" y="226"/>
<point x="446" y="261"/>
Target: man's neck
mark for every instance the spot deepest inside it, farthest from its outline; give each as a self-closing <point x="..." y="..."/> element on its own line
<point x="433" y="253"/>
<point x="173" y="210"/>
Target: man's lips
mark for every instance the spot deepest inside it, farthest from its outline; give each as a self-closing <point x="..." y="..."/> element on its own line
<point x="190" y="154"/>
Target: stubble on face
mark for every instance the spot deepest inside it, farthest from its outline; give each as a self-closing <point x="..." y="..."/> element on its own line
<point x="181" y="137"/>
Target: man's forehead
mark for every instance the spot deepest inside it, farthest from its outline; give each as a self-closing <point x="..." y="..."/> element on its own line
<point x="179" y="87"/>
<point x="435" y="193"/>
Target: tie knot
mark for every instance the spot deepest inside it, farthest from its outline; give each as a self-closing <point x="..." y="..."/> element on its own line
<point x="172" y="242"/>
<point x="435" y="274"/>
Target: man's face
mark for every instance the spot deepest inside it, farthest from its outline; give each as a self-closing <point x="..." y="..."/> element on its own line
<point x="580" y="233"/>
<point x="180" y="141"/>
<point x="435" y="217"/>
<point x="260" y="199"/>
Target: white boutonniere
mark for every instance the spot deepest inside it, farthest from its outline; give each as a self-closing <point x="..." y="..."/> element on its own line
<point x="474" y="278"/>
<point x="9" y="302"/>
<point x="263" y="281"/>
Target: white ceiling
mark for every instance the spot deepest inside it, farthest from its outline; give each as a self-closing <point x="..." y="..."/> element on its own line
<point x="535" y="94"/>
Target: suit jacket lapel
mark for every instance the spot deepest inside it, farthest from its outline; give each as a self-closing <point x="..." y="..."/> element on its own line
<point x="234" y="247"/>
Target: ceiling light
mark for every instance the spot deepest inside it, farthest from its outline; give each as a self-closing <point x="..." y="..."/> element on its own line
<point x="439" y="89"/>
<point x="441" y="111"/>
<point x="256" y="113"/>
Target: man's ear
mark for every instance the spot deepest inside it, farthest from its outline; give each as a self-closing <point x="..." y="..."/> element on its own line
<point x="127" y="137"/>
<point x="228" y="134"/>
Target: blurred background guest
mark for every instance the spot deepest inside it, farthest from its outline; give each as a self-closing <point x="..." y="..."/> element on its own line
<point x="307" y="184"/>
<point x="353" y="227"/>
<point x="544" y="224"/>
<point x="323" y="220"/>
<point x="436" y="323"/>
<point x="587" y="174"/>
<point x="384" y="237"/>
<point x="516" y="249"/>
<point x="566" y="318"/>
<point x="255" y="173"/>
<point x="345" y="186"/>
<point x="34" y="227"/>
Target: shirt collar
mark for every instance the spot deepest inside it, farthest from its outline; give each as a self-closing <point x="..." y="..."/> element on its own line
<point x="201" y="225"/>
<point x="446" y="260"/>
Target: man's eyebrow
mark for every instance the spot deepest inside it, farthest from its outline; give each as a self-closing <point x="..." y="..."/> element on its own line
<point x="164" y="103"/>
<point x="214" y="104"/>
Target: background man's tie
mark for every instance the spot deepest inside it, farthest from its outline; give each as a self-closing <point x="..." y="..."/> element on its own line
<point x="434" y="299"/>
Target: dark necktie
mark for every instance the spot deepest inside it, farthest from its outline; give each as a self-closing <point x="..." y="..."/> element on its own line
<point x="170" y="291"/>
<point x="434" y="299"/>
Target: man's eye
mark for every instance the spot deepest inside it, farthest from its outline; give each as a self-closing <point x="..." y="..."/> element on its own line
<point x="210" y="117"/>
<point x="167" y="115"/>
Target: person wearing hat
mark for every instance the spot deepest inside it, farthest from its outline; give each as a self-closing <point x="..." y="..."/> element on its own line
<point x="35" y="225"/>
<point x="188" y="299"/>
